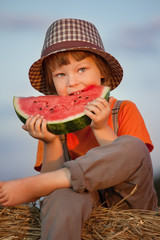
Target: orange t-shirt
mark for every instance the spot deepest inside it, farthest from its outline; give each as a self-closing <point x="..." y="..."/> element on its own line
<point x="130" y="122"/>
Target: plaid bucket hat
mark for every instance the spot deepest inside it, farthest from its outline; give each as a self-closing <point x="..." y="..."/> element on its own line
<point x="68" y="35"/>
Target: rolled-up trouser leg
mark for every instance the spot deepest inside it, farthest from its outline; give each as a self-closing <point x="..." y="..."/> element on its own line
<point x="124" y="164"/>
<point x="63" y="213"/>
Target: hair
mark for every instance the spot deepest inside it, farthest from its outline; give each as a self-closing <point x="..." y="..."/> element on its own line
<point x="62" y="58"/>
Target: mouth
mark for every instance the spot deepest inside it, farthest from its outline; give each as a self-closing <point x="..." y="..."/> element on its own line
<point x="82" y="90"/>
<point x="76" y="93"/>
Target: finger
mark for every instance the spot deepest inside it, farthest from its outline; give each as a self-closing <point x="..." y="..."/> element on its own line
<point x="93" y="108"/>
<point x="96" y="106"/>
<point x="24" y="127"/>
<point x="90" y="114"/>
<point x="38" y="125"/>
<point x="28" y="119"/>
<point x="102" y="100"/>
<point x="27" y="122"/>
<point x="44" y="126"/>
<point x="111" y="100"/>
<point x="31" y="121"/>
<point x="104" y="103"/>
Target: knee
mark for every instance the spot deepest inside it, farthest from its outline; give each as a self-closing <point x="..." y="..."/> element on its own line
<point x="63" y="213"/>
<point x="138" y="158"/>
<point x="133" y="147"/>
<point x="64" y="202"/>
<point x="58" y="200"/>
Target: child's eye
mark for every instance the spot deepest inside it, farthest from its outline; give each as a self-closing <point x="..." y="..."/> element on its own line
<point x="82" y="69"/>
<point x="60" y="75"/>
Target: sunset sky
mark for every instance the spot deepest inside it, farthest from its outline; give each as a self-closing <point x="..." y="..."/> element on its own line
<point x="130" y="31"/>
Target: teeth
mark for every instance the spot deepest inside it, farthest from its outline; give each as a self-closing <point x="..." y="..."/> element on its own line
<point x="75" y="93"/>
<point x="78" y="92"/>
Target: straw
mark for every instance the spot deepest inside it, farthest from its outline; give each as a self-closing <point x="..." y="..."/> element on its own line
<point x="23" y="222"/>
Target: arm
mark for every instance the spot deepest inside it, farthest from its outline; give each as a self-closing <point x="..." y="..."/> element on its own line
<point x="53" y="156"/>
<point x="53" y="176"/>
<point x="104" y="135"/>
<point x="53" y="152"/>
<point x="99" y="111"/>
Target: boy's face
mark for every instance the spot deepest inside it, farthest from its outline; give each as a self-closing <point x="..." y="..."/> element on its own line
<point x="75" y="76"/>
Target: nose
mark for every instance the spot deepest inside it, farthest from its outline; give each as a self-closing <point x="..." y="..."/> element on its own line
<point x="72" y="80"/>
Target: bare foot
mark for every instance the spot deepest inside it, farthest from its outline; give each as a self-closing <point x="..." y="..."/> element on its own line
<point x="16" y="192"/>
<point x="30" y="189"/>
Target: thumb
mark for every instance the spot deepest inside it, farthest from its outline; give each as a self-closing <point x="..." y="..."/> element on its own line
<point x="111" y="100"/>
<point x="24" y="127"/>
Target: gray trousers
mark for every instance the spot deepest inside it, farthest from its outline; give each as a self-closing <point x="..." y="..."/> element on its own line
<point x="116" y="168"/>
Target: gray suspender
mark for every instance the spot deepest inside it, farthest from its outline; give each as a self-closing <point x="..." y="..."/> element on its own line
<point x="115" y="112"/>
<point x="63" y="139"/>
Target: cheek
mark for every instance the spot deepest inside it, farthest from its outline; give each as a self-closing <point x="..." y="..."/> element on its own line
<point x="57" y="85"/>
<point x="97" y="79"/>
<point x="97" y="76"/>
<point x="60" y="87"/>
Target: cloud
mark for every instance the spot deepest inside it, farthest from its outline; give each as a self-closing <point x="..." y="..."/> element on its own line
<point x="19" y="22"/>
<point x="143" y="38"/>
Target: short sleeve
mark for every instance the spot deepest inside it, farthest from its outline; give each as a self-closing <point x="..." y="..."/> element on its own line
<point x="131" y="122"/>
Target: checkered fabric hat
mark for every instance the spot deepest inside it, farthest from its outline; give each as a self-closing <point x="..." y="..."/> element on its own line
<point x="68" y="35"/>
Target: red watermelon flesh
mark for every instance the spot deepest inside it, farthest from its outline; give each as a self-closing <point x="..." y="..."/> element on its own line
<point x="60" y="110"/>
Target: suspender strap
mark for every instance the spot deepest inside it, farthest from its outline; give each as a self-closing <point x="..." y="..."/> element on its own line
<point x="63" y="139"/>
<point x="115" y="112"/>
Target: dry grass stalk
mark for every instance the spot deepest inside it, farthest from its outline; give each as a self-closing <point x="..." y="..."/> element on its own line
<point x="114" y="224"/>
<point x="23" y="222"/>
<point x="122" y="224"/>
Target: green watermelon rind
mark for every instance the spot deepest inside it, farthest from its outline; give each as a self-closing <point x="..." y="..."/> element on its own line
<point x="23" y="117"/>
<point x="67" y="125"/>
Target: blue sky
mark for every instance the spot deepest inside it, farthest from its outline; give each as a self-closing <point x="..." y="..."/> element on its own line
<point x="130" y="31"/>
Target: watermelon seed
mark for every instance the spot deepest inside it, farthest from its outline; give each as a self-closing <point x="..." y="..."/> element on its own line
<point x="35" y="101"/>
<point x="80" y="97"/>
<point x="51" y="109"/>
<point x="86" y="97"/>
<point x="40" y="108"/>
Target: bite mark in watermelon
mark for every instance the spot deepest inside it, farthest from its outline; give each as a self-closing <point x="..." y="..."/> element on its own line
<point x="64" y="114"/>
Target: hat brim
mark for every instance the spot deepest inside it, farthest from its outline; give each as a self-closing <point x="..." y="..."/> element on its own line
<point x="37" y="78"/>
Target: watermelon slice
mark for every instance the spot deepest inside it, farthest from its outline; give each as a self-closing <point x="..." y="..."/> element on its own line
<point x="64" y="114"/>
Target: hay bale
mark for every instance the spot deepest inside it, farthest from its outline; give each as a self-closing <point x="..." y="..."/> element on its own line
<point x="122" y="225"/>
<point x="23" y="222"/>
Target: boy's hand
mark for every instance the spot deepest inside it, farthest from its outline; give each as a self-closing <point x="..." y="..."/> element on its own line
<point x="98" y="110"/>
<point x="37" y="128"/>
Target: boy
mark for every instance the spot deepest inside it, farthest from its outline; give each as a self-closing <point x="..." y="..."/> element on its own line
<point x="103" y="165"/>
